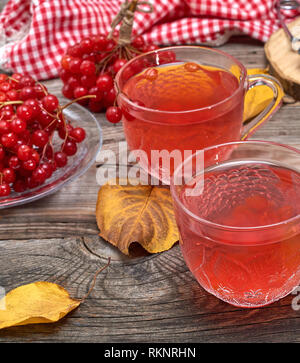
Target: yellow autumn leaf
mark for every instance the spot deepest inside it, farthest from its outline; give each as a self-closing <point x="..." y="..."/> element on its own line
<point x="258" y="98"/>
<point x="39" y="302"/>
<point x="142" y="213"/>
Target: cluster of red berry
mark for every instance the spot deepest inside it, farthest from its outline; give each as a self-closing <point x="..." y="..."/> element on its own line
<point x="29" y="117"/>
<point x="89" y="68"/>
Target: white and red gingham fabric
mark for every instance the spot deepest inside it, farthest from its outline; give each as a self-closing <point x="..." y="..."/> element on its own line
<point x="34" y="34"/>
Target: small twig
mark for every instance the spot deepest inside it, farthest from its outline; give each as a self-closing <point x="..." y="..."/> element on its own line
<point x="94" y="280"/>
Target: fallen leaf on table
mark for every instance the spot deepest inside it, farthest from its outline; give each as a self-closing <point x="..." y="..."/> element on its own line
<point x="142" y="213"/>
<point x="39" y="302"/>
<point x="258" y="98"/>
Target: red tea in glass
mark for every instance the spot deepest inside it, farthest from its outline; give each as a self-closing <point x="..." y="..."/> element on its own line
<point x="241" y="236"/>
<point x="183" y="98"/>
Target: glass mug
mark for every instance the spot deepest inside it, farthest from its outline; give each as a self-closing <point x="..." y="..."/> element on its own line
<point x="240" y="233"/>
<point x="149" y="129"/>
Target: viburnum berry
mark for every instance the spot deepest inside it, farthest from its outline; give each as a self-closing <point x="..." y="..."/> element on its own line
<point x="29" y="165"/>
<point x="40" y="138"/>
<point x="61" y="159"/>
<point x="69" y="148"/>
<point x="39" y="175"/>
<point x="2" y="153"/>
<point x="87" y="68"/>
<point x="19" y="186"/>
<point x="25" y="112"/>
<point x="27" y="92"/>
<point x="119" y="63"/>
<point x="104" y="82"/>
<point x="80" y="92"/>
<point x="78" y="134"/>
<point x="114" y="114"/>
<point x="4" y="190"/>
<point x="9" y="175"/>
<point x="24" y="152"/>
<point x="50" y="103"/>
<point x="18" y="125"/>
<point x="9" y="140"/>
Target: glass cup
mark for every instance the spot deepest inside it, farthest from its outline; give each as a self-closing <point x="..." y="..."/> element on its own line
<point x="149" y="131"/>
<point x="244" y="263"/>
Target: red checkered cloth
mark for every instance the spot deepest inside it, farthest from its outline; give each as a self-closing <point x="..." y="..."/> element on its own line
<point x="34" y="34"/>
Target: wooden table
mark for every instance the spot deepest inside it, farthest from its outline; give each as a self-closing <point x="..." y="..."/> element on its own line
<point x="145" y="299"/>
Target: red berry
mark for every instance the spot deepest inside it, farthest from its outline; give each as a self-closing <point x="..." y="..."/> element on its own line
<point x="34" y="105"/>
<point x="26" y="81"/>
<point x="48" y="169"/>
<point x="40" y="138"/>
<point x="74" y="65"/>
<point x="114" y="114"/>
<point x="40" y="91"/>
<point x="24" y="152"/>
<point x="65" y="62"/>
<point x="96" y="92"/>
<point x="27" y="92"/>
<point x="4" y="190"/>
<point x="4" y="127"/>
<point x="5" y="87"/>
<point x="2" y="153"/>
<point x="12" y="95"/>
<point x="35" y="156"/>
<point x="67" y="91"/>
<point x="88" y="81"/>
<point x="25" y="112"/>
<point x="86" y="45"/>
<point x="119" y="63"/>
<point x="29" y="165"/>
<point x="78" y="134"/>
<point x="64" y="75"/>
<point x="109" y="97"/>
<point x="87" y="68"/>
<point x="64" y="130"/>
<point x="39" y="175"/>
<point x="18" y="125"/>
<point x="3" y="97"/>
<point x="61" y="159"/>
<point x="19" y="186"/>
<point x="100" y="42"/>
<point x="74" y="51"/>
<point x="104" y="82"/>
<point x="69" y="148"/>
<point x="95" y="106"/>
<point x="138" y="42"/>
<point x="14" y="162"/>
<point x="50" y="103"/>
<point x="80" y="92"/>
<point x="9" y="175"/>
<point x="9" y="140"/>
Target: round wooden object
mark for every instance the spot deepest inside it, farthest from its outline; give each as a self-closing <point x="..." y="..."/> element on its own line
<point x="283" y="60"/>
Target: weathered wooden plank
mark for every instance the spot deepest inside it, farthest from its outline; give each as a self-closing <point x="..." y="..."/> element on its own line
<point x="153" y="298"/>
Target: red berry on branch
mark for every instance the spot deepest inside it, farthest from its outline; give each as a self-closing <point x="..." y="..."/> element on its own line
<point x="50" y="103"/>
<point x="119" y="63"/>
<point x="40" y="138"/>
<point x="24" y="152"/>
<point x="87" y="68"/>
<point x="114" y="114"/>
<point x="61" y="159"/>
<point x="104" y="82"/>
<point x="4" y="190"/>
<point x="78" y="134"/>
<point x="25" y="112"/>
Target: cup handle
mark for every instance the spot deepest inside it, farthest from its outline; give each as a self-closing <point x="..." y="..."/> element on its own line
<point x="271" y="82"/>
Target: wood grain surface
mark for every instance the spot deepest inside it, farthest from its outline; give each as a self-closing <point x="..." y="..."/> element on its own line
<point x="151" y="298"/>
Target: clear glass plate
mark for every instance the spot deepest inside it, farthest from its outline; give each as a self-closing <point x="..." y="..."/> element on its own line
<point x="77" y="164"/>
